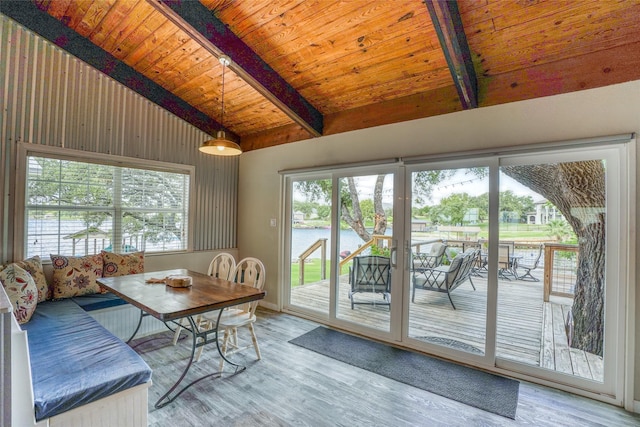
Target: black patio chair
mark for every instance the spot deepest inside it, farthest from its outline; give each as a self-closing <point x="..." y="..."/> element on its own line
<point x="370" y="273"/>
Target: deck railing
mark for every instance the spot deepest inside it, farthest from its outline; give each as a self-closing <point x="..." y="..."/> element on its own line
<point x="318" y="244"/>
<point x="559" y="264"/>
<point x="376" y="240"/>
<point x="560" y="270"/>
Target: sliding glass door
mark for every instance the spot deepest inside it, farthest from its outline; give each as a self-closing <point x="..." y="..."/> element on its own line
<point x="565" y="262"/>
<point x="514" y="261"/>
<point x="342" y="259"/>
<point x="309" y="244"/>
<point x="447" y="278"/>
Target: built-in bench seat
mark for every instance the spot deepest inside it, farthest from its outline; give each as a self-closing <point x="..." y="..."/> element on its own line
<point x="95" y="302"/>
<point x="76" y="361"/>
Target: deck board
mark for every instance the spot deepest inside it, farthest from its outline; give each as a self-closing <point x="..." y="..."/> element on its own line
<point x="528" y="331"/>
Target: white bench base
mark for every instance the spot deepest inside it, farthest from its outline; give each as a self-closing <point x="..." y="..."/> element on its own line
<point x="127" y="408"/>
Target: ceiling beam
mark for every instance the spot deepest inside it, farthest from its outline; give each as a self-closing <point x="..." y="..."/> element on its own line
<point x="204" y="27"/>
<point x="26" y="13"/>
<point x="446" y="20"/>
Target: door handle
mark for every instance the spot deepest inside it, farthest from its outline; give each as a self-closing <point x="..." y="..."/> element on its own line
<point x="393" y="254"/>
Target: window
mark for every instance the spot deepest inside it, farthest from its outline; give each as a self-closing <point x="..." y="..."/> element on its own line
<point x="74" y="207"/>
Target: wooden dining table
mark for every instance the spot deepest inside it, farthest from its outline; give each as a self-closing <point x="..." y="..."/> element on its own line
<point x="174" y="305"/>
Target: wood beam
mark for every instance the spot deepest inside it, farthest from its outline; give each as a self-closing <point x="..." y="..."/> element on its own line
<point x="446" y="20"/>
<point x="27" y="13"/>
<point x="432" y="103"/>
<point x="204" y="27"/>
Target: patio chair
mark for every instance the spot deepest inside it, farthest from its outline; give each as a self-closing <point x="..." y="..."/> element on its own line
<point x="480" y="264"/>
<point x="529" y="267"/>
<point x="506" y="263"/>
<point x="434" y="258"/>
<point x="370" y="273"/>
<point x="446" y="278"/>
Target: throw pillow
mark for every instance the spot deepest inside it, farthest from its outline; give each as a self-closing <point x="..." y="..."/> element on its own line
<point x="75" y="276"/>
<point x="21" y="290"/>
<point x="33" y="266"/>
<point x="122" y="264"/>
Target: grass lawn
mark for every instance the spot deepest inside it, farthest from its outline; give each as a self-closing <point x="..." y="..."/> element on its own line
<point x="311" y="271"/>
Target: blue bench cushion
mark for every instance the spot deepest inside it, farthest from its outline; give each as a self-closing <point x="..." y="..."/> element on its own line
<point x="75" y="361"/>
<point x="98" y="301"/>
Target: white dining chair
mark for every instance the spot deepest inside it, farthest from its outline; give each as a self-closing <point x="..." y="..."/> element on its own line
<point x="223" y="266"/>
<point x="249" y="271"/>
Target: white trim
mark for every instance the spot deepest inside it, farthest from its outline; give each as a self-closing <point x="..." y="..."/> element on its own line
<point x="524" y="149"/>
<point x="28" y="148"/>
<point x="25" y="149"/>
<point x="269" y="305"/>
<point x="630" y="321"/>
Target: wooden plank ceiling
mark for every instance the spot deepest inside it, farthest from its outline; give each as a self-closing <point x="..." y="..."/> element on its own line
<point x="303" y="68"/>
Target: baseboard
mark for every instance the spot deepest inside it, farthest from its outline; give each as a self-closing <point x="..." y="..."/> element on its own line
<point x="636" y="406"/>
<point x="269" y="306"/>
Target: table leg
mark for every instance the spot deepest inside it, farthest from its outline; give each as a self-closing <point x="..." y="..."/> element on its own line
<point x="142" y="315"/>
<point x="200" y="338"/>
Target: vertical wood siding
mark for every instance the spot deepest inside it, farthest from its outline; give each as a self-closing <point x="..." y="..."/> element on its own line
<point x="49" y="97"/>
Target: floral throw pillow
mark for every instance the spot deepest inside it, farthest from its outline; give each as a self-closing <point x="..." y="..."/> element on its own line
<point x="33" y="266"/>
<point x="21" y="290"/>
<point x="122" y="264"/>
<point x="75" y="276"/>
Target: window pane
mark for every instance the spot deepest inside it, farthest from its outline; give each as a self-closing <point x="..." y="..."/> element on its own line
<point x="77" y="208"/>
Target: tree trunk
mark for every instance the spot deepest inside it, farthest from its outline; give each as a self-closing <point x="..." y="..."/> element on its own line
<point x="577" y="189"/>
<point x="354" y="218"/>
<point x="380" y="223"/>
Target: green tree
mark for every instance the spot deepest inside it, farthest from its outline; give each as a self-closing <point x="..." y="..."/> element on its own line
<point x="307" y="208"/>
<point x="481" y="202"/>
<point x="324" y="211"/>
<point x="368" y="211"/>
<point x="516" y="206"/>
<point x="559" y="230"/>
<point x="454" y="208"/>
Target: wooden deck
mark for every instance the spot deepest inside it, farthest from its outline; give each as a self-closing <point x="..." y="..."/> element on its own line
<point x="529" y="330"/>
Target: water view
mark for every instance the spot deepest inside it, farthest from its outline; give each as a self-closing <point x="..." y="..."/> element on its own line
<point x="302" y="238"/>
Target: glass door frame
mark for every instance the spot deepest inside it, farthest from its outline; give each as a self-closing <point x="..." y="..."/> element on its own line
<point x="617" y="253"/>
<point x="487" y="359"/>
<point x="618" y="326"/>
<point x="392" y="167"/>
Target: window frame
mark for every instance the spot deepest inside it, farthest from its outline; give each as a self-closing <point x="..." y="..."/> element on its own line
<point x="24" y="150"/>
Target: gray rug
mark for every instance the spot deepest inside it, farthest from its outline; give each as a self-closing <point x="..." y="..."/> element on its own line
<point x="483" y="390"/>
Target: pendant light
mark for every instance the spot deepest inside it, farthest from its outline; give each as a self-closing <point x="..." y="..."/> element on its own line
<point x="220" y="145"/>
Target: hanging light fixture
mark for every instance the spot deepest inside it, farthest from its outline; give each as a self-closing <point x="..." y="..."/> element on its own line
<point x="220" y="145"/>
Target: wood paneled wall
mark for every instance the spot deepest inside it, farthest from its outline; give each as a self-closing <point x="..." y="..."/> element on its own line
<point x="51" y="98"/>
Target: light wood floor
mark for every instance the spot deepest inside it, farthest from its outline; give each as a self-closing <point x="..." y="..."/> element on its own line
<point x="529" y="330"/>
<point x="292" y="386"/>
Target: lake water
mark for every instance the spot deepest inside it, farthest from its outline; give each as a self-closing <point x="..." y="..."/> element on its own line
<point x="302" y="238"/>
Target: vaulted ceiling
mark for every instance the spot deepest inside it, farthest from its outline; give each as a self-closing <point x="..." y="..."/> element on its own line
<point x="304" y="68"/>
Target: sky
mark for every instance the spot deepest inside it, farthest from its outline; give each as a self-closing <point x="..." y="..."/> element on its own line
<point x="459" y="183"/>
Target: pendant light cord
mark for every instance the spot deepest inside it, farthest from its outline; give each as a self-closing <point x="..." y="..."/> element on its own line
<point x="222" y="98"/>
<point x="224" y="60"/>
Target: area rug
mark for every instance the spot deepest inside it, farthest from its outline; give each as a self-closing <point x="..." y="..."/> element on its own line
<point x="476" y="388"/>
